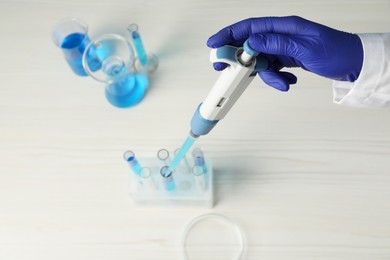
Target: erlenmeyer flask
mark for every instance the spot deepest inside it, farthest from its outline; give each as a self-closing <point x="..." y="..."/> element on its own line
<point x="123" y="88"/>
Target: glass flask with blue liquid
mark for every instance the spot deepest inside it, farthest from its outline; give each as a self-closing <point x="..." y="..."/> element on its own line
<point x="114" y="54"/>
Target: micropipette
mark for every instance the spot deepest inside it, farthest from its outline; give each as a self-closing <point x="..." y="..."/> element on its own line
<point x="243" y="65"/>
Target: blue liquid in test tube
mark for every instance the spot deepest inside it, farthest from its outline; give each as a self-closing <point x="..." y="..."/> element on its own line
<point x="198" y="157"/>
<point x="168" y="180"/>
<point x="129" y="156"/>
<point x="139" y="46"/>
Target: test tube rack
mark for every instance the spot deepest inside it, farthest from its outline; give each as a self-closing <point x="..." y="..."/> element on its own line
<point x="188" y="191"/>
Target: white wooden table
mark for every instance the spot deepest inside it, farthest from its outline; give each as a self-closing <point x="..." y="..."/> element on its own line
<point x="305" y="178"/>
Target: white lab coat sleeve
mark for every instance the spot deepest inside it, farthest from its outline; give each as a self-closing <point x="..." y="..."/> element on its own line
<point x="372" y="88"/>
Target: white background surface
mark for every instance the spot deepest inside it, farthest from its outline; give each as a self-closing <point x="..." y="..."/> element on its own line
<point x="305" y="178"/>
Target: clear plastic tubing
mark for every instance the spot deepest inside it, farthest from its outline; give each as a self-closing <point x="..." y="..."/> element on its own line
<point x="198" y="173"/>
<point x="129" y="157"/>
<point x="139" y="46"/>
<point x="198" y="156"/>
<point x="168" y="180"/>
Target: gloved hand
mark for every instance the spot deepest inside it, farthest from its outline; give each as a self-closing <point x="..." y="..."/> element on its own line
<point x="295" y="42"/>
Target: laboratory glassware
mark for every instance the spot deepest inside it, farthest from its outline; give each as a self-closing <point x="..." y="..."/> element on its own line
<point x="124" y="87"/>
<point x="198" y="173"/>
<point x="146" y="178"/>
<point x="71" y="35"/>
<point x="129" y="157"/>
<point x="163" y="156"/>
<point x="145" y="62"/>
<point x="167" y="178"/>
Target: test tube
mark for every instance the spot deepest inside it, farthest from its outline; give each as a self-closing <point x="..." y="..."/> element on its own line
<point x="198" y="156"/>
<point x="139" y="46"/>
<point x="163" y="156"/>
<point x="146" y="178"/>
<point x="129" y="157"/>
<point x="145" y="62"/>
<point x="167" y="178"/>
<point x="198" y="173"/>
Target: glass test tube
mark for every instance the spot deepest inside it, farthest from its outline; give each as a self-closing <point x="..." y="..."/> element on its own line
<point x="139" y="46"/>
<point x="129" y="156"/>
<point x="163" y="156"/>
<point x="144" y="61"/>
<point x="167" y="178"/>
<point x="198" y="173"/>
<point x="146" y="178"/>
<point x="199" y="160"/>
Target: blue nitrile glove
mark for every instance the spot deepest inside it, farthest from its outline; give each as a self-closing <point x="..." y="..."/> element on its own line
<point x="295" y="42"/>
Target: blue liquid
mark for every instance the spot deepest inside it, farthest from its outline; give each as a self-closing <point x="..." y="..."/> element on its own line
<point x="73" y="47"/>
<point x="128" y="91"/>
<point x="199" y="159"/>
<point x="182" y="152"/>
<point x="73" y="40"/>
<point x="139" y="47"/>
<point x="170" y="185"/>
<point x="135" y="166"/>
